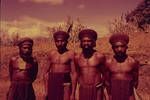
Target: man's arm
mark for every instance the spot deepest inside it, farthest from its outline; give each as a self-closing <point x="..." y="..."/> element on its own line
<point x="103" y="68"/>
<point x="35" y="69"/>
<point x="46" y="75"/>
<point x="102" y="65"/>
<point x="73" y="77"/>
<point x="106" y="81"/>
<point x="107" y="74"/>
<point x="10" y="69"/>
<point x="135" y="74"/>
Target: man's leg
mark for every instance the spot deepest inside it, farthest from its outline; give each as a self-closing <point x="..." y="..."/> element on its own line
<point x="100" y="93"/>
<point x="67" y="91"/>
<point x="132" y="98"/>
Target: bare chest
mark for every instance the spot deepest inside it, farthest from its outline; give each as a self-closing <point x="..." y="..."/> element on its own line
<point x="61" y="59"/>
<point x="92" y="62"/>
<point x="120" y="67"/>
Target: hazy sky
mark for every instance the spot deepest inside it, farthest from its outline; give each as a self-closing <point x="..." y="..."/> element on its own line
<point x="94" y="13"/>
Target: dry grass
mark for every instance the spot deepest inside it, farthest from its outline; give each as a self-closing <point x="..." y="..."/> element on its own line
<point x="41" y="51"/>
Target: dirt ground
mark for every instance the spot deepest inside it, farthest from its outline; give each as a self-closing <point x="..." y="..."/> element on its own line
<point x="41" y="51"/>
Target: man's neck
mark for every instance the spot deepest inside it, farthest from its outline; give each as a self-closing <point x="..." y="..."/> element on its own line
<point x="87" y="53"/>
<point x="121" y="59"/>
<point x="61" y="51"/>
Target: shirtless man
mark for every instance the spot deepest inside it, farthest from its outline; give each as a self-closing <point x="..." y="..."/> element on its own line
<point x="60" y="72"/>
<point x="122" y="70"/>
<point x="89" y="65"/>
<point x="23" y="71"/>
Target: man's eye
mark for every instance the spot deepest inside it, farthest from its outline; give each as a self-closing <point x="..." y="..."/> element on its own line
<point x="115" y="46"/>
<point x="122" y="46"/>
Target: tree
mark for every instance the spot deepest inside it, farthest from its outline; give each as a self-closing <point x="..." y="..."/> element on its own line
<point x="15" y="38"/>
<point x="140" y="16"/>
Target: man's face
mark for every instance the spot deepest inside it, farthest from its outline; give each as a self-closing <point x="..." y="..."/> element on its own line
<point x="119" y="48"/>
<point x="26" y="50"/>
<point x="87" y="43"/>
<point x="61" y="43"/>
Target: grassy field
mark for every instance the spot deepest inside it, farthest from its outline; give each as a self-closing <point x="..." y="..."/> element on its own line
<point x="41" y="50"/>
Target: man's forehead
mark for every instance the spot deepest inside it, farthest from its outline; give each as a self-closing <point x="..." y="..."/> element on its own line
<point x="60" y="38"/>
<point x="86" y="38"/>
<point x="119" y="43"/>
<point x="26" y="45"/>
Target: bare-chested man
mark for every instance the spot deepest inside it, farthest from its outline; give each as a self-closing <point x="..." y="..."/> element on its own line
<point x="89" y="65"/>
<point x="23" y="71"/>
<point x="122" y="70"/>
<point x="60" y="69"/>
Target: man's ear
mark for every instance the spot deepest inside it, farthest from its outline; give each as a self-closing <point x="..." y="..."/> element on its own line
<point x="94" y="44"/>
<point x="80" y="45"/>
<point x="67" y="41"/>
<point x="112" y="47"/>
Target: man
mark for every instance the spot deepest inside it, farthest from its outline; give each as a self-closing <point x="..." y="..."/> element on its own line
<point x="122" y="70"/>
<point x="89" y="65"/>
<point x="60" y="72"/>
<point x="23" y="71"/>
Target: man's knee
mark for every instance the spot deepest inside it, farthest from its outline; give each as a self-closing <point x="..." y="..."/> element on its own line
<point x="67" y="92"/>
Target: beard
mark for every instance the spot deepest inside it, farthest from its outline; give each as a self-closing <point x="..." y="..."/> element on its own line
<point x="120" y="54"/>
<point x="61" y="47"/>
<point x="26" y="55"/>
<point x="86" y="47"/>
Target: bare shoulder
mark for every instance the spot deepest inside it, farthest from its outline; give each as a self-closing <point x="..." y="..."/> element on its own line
<point x="52" y="52"/>
<point x="133" y="61"/>
<point x="14" y="58"/>
<point x="76" y="58"/>
<point x="109" y="59"/>
<point x="71" y="53"/>
<point x="77" y="55"/>
<point x="99" y="55"/>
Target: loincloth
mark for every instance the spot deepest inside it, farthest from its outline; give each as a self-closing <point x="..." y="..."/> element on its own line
<point x="121" y="89"/>
<point x="90" y="92"/>
<point x="56" y="84"/>
<point x="20" y="90"/>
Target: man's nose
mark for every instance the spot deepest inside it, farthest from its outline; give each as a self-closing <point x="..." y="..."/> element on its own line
<point x="119" y="48"/>
<point x="59" y="43"/>
<point x="86" y="42"/>
<point x="27" y="49"/>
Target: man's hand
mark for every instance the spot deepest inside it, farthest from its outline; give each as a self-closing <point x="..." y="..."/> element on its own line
<point x="45" y="97"/>
<point x="72" y="97"/>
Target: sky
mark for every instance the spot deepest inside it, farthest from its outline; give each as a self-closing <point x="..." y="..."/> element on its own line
<point x="27" y="14"/>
